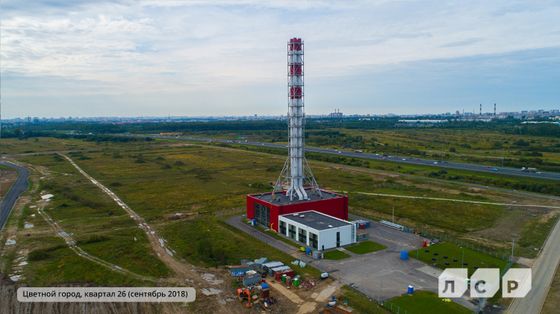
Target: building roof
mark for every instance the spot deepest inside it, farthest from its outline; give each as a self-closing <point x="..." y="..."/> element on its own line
<point x="316" y="220"/>
<point x="282" y="199"/>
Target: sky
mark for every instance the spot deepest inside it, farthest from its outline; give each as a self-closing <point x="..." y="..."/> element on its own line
<point x="212" y="58"/>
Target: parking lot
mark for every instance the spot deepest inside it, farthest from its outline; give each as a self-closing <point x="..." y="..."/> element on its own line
<point x="382" y="274"/>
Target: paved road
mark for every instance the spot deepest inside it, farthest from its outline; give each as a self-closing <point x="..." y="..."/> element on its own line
<point x="15" y="191"/>
<point x="543" y="274"/>
<point x="381" y="157"/>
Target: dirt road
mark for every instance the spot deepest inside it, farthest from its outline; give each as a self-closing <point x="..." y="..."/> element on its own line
<point x="458" y="200"/>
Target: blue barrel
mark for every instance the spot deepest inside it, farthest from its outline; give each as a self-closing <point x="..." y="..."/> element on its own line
<point x="404" y="255"/>
<point x="410" y="289"/>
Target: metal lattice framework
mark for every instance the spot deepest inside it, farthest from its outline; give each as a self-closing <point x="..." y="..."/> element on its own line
<point x="296" y="175"/>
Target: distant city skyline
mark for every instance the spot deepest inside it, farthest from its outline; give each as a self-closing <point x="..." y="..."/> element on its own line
<point x="227" y="58"/>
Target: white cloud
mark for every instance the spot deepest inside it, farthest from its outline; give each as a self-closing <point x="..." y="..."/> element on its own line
<point x="171" y="46"/>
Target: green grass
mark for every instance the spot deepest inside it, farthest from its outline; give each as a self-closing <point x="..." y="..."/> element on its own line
<point x="335" y="255"/>
<point x="359" y="302"/>
<point x="58" y="264"/>
<point x="365" y="247"/>
<point x="534" y="232"/>
<point x="462" y="144"/>
<point x="185" y="179"/>
<point x="423" y="302"/>
<point x="34" y="145"/>
<point x="492" y="179"/>
<point x="455" y="255"/>
<point x="84" y="211"/>
<point x="208" y="241"/>
<point x="204" y="180"/>
<point x="277" y="236"/>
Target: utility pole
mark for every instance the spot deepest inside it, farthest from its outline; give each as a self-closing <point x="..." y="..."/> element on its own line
<point x="512" y="248"/>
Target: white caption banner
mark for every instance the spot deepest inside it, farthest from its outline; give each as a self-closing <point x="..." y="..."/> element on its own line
<point x="105" y="294"/>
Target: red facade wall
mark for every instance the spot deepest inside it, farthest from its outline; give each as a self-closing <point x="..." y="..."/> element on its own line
<point x="336" y="207"/>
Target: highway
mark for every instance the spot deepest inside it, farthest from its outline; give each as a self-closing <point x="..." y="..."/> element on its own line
<point x="382" y="157"/>
<point x="13" y="194"/>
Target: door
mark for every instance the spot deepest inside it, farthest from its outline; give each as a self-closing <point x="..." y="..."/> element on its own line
<point x="337" y="239"/>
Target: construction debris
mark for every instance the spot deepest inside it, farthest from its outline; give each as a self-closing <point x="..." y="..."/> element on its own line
<point x="46" y="197"/>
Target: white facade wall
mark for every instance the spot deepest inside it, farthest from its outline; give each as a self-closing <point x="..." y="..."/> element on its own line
<point x="326" y="237"/>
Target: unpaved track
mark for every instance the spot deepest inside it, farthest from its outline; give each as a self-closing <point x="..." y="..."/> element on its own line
<point x="184" y="273"/>
<point x="80" y="252"/>
<point x="457" y="200"/>
<point x="157" y="243"/>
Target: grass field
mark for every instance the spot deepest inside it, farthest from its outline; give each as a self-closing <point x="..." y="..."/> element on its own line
<point x="448" y="255"/>
<point x="7" y="178"/>
<point x="208" y="241"/>
<point x="359" y="302"/>
<point x="365" y="247"/>
<point x="467" y="145"/>
<point x="44" y="144"/>
<point x="335" y="255"/>
<point x="99" y="226"/>
<point x="423" y="302"/>
<point x="552" y="300"/>
<point x="57" y="264"/>
<point x="161" y="178"/>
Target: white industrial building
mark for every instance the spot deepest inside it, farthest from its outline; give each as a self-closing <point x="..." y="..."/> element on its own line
<point x="317" y="230"/>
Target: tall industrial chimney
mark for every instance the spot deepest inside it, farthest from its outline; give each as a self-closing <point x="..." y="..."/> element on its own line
<point x="296" y="172"/>
<point x="296" y="118"/>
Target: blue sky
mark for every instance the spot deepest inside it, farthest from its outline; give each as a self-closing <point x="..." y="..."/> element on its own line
<point x="143" y="58"/>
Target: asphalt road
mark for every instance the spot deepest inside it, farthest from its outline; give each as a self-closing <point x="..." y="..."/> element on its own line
<point x="399" y="159"/>
<point x="15" y="191"/>
<point x="543" y="273"/>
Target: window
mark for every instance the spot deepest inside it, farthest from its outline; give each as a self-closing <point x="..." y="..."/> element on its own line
<point x="313" y="240"/>
<point x="292" y="231"/>
<point x="302" y="235"/>
<point x="262" y="215"/>
<point x="282" y="227"/>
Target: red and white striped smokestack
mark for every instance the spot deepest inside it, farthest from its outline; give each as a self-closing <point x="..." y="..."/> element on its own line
<point x="296" y="119"/>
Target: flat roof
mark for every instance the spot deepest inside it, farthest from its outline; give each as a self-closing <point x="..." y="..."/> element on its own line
<point x="316" y="220"/>
<point x="280" y="198"/>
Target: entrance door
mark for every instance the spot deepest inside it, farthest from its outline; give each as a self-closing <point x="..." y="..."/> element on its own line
<point x="337" y="239"/>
